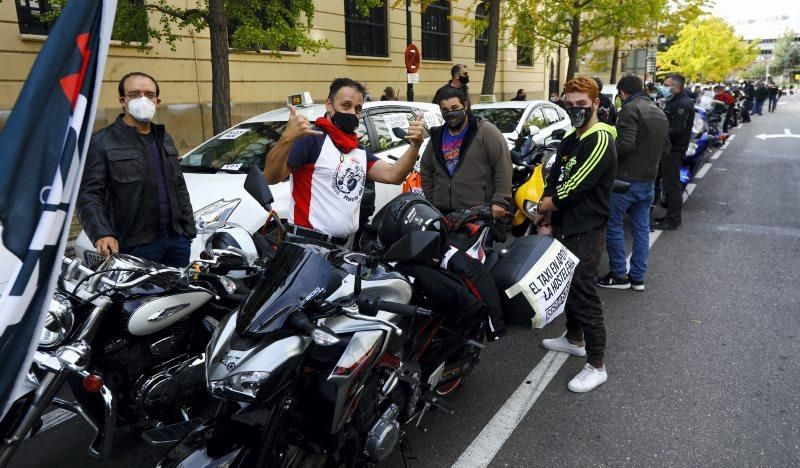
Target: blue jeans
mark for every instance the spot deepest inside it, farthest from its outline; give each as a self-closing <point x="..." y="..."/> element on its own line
<point x="169" y="248"/>
<point x="637" y="200"/>
<point x="759" y="107"/>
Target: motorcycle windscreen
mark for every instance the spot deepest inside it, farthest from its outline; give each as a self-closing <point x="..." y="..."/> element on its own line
<point x="296" y="276"/>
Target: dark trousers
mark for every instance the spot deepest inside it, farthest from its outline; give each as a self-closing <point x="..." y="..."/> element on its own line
<point x="169" y="248"/>
<point x="583" y="309"/>
<point x="759" y="107"/>
<point x="671" y="184"/>
<point x="748" y="105"/>
<point x="773" y="103"/>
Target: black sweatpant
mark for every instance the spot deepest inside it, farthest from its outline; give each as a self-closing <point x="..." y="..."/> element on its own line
<point x="671" y="185"/>
<point x="583" y="309"/>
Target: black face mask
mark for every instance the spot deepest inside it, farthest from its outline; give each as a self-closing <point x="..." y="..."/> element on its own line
<point x="578" y="116"/>
<point x="463" y="80"/>
<point x="348" y="123"/>
<point x="454" y="118"/>
<point x="523" y="96"/>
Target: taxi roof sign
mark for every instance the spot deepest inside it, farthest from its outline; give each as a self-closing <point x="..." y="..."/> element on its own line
<point x="299" y="100"/>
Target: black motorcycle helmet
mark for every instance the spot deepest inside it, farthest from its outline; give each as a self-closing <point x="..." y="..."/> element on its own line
<point x="406" y="213"/>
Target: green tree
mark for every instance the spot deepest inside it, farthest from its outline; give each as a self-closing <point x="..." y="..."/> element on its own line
<point x="261" y="25"/>
<point x="787" y="53"/>
<point x="756" y="71"/>
<point x="707" y="49"/>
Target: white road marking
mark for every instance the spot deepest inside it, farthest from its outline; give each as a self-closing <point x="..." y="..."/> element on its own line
<point x="786" y="131"/>
<point x="703" y="171"/>
<point x="730" y="138"/>
<point x="716" y="155"/>
<point x="483" y="449"/>
<point x="689" y="189"/>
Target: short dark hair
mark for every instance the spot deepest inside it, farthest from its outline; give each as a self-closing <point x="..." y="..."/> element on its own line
<point x="456" y="69"/>
<point x="630" y="85"/>
<point x="520" y="91"/>
<point x="340" y="83"/>
<point x="450" y="92"/>
<point x="121" y="86"/>
<point x="599" y="83"/>
<point x="681" y="81"/>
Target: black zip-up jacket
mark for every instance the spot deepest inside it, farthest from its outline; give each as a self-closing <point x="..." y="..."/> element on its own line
<point x="482" y="175"/>
<point x="581" y="179"/>
<point x="680" y="113"/>
<point x="642" y="139"/>
<point x="119" y="192"/>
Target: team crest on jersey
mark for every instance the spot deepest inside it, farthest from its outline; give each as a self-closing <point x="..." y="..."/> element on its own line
<point x="567" y="169"/>
<point x="348" y="180"/>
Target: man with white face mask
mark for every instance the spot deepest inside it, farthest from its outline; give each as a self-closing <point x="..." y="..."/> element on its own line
<point x="133" y="197"/>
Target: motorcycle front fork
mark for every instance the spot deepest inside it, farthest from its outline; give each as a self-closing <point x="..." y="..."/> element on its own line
<point x="44" y="395"/>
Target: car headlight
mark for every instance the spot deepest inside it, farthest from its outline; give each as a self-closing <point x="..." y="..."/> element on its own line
<point x="531" y="208"/>
<point x="240" y="386"/>
<point x="220" y="210"/>
<point x="58" y="324"/>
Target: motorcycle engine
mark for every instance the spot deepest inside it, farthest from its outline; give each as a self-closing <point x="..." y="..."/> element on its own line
<point x="384" y="435"/>
<point x="160" y="395"/>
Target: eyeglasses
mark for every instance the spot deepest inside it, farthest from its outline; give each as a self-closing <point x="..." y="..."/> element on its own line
<point x="136" y="94"/>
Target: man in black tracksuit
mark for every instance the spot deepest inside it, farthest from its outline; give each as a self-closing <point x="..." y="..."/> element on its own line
<point x="680" y="113"/>
<point x="576" y="203"/>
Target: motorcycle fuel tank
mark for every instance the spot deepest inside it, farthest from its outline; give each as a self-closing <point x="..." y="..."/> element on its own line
<point x="157" y="313"/>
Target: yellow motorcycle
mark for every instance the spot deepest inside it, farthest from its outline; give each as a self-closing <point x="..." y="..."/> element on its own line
<point x="537" y="158"/>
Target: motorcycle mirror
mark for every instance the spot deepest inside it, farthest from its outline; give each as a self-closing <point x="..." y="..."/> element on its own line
<point x="399" y="132"/>
<point x="558" y="134"/>
<point x="257" y="187"/>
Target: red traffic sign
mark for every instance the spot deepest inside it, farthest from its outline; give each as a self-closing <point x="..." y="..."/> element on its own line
<point x="412" y="57"/>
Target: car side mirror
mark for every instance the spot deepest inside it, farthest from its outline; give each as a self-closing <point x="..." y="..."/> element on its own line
<point x="533" y="130"/>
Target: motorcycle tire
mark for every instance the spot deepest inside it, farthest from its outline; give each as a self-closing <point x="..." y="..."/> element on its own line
<point x="452" y="386"/>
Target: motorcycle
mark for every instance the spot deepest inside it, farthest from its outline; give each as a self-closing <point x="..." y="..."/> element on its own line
<point x="336" y="352"/>
<point x="128" y="339"/>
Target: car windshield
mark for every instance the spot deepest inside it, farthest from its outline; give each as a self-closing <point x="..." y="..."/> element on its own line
<point x="505" y="120"/>
<point x="236" y="149"/>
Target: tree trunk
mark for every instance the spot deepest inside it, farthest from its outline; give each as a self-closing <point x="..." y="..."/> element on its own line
<point x="572" y="50"/>
<point x="493" y="36"/>
<point x="220" y="70"/>
<point x="614" y="62"/>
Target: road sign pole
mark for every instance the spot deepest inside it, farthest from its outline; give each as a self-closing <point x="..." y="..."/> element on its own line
<point x="409" y="40"/>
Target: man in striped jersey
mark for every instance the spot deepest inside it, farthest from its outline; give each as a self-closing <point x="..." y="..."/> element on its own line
<point x="576" y="204"/>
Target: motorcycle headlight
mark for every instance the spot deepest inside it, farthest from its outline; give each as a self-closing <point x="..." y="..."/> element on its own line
<point x="531" y="208"/>
<point x="240" y="386"/>
<point x="691" y="149"/>
<point x="58" y="324"/>
<point x="220" y="210"/>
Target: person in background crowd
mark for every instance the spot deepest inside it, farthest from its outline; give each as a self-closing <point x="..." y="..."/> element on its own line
<point x="389" y="94"/>
<point x="680" y="113"/>
<point x="328" y="168"/>
<point x="555" y="99"/>
<point x="521" y="95"/>
<point x="642" y="140"/>
<point x="459" y="79"/>
<point x="574" y="209"/>
<point x="773" y="95"/>
<point x="695" y="95"/>
<point x="133" y="197"/>
<point x="760" y="95"/>
<point x="722" y="95"/>
<point x="652" y="92"/>
<point x="748" y="93"/>
<point x="606" y="112"/>
<point x="467" y="162"/>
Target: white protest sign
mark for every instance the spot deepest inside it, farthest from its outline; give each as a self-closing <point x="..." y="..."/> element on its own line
<point x="546" y="285"/>
<point x="431" y="120"/>
<point x="234" y="134"/>
<point x="413" y="78"/>
<point x="395" y="120"/>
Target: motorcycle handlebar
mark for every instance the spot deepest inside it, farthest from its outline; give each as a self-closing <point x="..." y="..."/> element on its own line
<point x="401" y="309"/>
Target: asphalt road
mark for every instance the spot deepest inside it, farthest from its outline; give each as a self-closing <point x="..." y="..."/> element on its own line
<point x="703" y="365"/>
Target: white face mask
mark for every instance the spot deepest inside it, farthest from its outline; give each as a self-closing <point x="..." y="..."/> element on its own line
<point x="142" y="109"/>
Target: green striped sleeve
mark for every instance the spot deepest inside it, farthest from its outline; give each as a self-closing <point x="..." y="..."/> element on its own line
<point x="588" y="166"/>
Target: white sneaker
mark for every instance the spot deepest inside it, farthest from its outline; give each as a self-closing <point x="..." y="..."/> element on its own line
<point x="563" y="345"/>
<point x="587" y="379"/>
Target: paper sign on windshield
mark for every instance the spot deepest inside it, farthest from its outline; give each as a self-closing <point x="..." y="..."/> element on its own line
<point x="234" y="134"/>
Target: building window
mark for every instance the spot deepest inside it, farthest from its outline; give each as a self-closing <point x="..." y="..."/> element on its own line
<point x="365" y="35"/>
<point x="436" y="31"/>
<point x="482" y="40"/>
<point x="524" y="56"/>
<point x="29" y="16"/>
